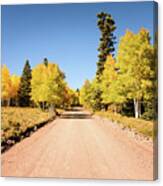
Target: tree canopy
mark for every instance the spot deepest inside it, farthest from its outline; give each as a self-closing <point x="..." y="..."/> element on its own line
<point x="129" y="78"/>
<point x="47" y="84"/>
<point x="10" y="85"/>
<point x="135" y="61"/>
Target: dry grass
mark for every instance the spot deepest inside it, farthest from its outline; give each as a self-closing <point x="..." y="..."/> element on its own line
<point x="16" y="120"/>
<point x="139" y="125"/>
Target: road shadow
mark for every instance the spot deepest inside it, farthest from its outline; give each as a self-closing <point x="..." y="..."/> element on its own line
<point x="74" y="109"/>
<point x="76" y="116"/>
<point x="76" y="113"/>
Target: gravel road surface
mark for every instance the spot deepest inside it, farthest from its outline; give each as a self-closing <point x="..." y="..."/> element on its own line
<point x="79" y="146"/>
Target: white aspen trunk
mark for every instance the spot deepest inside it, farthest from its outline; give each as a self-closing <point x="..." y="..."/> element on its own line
<point x="43" y="105"/>
<point x="137" y="108"/>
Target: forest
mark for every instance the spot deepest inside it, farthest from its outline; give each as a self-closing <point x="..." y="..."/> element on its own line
<point x="125" y="83"/>
<point x="124" y="87"/>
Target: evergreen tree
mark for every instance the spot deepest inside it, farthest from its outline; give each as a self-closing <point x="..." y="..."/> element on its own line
<point x="107" y="26"/>
<point x="25" y="86"/>
<point x="45" y="61"/>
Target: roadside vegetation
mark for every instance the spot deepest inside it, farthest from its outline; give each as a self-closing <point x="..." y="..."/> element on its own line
<point x="141" y="126"/>
<point x="32" y="100"/>
<point x="18" y="123"/>
<point x="125" y="84"/>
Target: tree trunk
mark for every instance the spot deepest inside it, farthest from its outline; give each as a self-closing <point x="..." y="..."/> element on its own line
<point x="43" y="105"/>
<point x="8" y="102"/>
<point x="106" y="107"/>
<point x="40" y="105"/>
<point x="16" y="102"/>
<point x="2" y="102"/>
<point x="137" y="108"/>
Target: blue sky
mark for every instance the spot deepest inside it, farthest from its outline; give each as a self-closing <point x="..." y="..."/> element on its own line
<point x="66" y="34"/>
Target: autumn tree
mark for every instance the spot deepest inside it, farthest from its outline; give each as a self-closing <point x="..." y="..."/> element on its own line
<point x="90" y="94"/>
<point x="107" y="26"/>
<point x="86" y="94"/>
<point x="76" y="96"/>
<point x="47" y="85"/>
<point x="70" y="97"/>
<point x="67" y="97"/>
<point x="109" y="84"/>
<point x="150" y="103"/>
<point x="25" y="86"/>
<point x="6" y="84"/>
<point x="135" y="61"/>
<point x="10" y="86"/>
<point x="15" y="83"/>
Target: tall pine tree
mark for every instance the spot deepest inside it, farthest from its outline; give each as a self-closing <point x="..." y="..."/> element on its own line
<point x="25" y="86"/>
<point x="45" y="62"/>
<point x="107" y="26"/>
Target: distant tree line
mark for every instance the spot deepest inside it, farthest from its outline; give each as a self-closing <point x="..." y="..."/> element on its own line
<point x="43" y="86"/>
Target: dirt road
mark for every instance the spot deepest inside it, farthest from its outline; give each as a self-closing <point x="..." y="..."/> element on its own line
<point x="78" y="146"/>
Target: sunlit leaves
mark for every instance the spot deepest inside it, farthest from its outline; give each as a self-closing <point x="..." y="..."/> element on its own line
<point x="135" y="61"/>
<point x="15" y="82"/>
<point x="128" y="78"/>
<point x="6" y="83"/>
<point x="10" y="84"/>
<point x="47" y="84"/>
